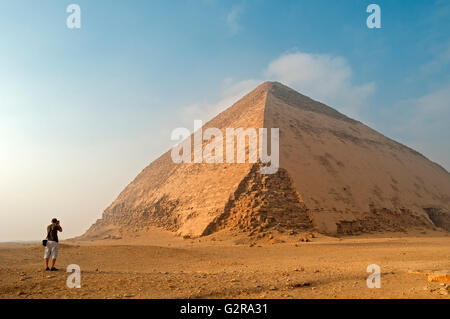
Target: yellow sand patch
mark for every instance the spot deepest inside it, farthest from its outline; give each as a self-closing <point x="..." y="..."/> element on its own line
<point x="442" y="276"/>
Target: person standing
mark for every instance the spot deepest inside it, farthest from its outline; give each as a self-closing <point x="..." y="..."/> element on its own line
<point x="51" y="249"/>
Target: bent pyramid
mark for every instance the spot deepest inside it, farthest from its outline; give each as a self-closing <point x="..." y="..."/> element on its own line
<point x="336" y="175"/>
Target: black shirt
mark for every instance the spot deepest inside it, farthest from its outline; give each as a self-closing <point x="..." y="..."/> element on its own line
<point x="52" y="231"/>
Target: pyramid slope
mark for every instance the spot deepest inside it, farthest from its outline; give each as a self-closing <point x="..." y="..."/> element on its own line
<point x="346" y="172"/>
<point x="335" y="173"/>
<point x="186" y="197"/>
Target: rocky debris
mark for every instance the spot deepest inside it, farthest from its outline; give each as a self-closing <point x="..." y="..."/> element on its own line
<point x="383" y="219"/>
<point x="418" y="272"/>
<point x="300" y="285"/>
<point x="444" y="291"/>
<point x="112" y="237"/>
<point x="439" y="217"/>
<point x="439" y="276"/>
<point x="262" y="203"/>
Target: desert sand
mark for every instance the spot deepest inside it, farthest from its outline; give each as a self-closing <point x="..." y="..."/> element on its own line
<point x="157" y="264"/>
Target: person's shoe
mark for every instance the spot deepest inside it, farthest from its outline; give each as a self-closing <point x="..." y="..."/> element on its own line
<point x="47" y="269"/>
<point x="53" y="269"/>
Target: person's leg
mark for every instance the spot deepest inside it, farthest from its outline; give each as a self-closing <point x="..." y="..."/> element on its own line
<point x="54" y="255"/>
<point x="46" y="257"/>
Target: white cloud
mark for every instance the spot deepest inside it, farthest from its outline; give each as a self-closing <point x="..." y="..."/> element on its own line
<point x="322" y="77"/>
<point x="425" y="127"/>
<point x="231" y="92"/>
<point x="232" y="19"/>
<point x="439" y="62"/>
<point x="433" y="106"/>
<point x="328" y="79"/>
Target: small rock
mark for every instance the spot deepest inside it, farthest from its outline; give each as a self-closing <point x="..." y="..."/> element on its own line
<point x="300" y="284"/>
<point x="440" y="276"/>
<point x="443" y="292"/>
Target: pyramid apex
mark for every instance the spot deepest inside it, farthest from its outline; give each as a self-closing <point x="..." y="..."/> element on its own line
<point x="277" y="88"/>
<point x="268" y="85"/>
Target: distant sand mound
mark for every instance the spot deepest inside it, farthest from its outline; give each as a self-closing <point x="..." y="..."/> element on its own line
<point x="336" y="175"/>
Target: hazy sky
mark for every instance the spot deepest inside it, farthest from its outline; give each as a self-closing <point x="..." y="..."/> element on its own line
<point x="83" y="111"/>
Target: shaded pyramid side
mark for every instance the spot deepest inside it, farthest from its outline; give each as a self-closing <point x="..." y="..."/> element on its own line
<point x="352" y="178"/>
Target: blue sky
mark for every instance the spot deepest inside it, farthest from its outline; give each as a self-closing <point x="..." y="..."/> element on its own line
<point x="82" y="111"/>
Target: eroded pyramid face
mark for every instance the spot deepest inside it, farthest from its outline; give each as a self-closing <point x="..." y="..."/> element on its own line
<point x="335" y="175"/>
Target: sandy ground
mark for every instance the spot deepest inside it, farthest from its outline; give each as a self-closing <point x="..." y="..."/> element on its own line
<point x="159" y="265"/>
